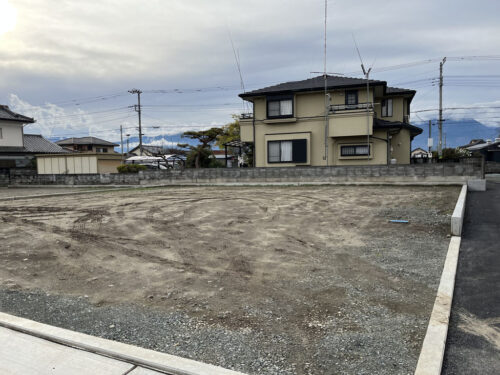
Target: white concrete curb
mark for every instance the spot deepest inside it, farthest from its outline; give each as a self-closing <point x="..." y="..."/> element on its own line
<point x="430" y="361"/>
<point x="139" y="356"/>
<point x="457" y="219"/>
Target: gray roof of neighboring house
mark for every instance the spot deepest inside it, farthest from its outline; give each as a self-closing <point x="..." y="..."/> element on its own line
<point x="85" y="141"/>
<point x="151" y="149"/>
<point x="318" y="83"/>
<point x="486" y="145"/>
<point x="7" y="114"/>
<point x="383" y="124"/>
<point x="34" y="144"/>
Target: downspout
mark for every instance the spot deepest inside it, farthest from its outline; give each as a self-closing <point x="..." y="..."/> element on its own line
<point x="254" y="156"/>
<point x="388" y="148"/>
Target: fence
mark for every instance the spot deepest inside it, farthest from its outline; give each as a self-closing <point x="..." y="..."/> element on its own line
<point x="413" y="173"/>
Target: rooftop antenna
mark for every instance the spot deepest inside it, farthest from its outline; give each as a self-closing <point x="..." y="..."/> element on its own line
<point x="238" y="65"/>
<point x="366" y="73"/>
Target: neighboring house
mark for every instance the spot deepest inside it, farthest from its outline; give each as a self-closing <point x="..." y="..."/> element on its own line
<point x="289" y="125"/>
<point x="16" y="148"/>
<point x="490" y="150"/>
<point x="473" y="142"/>
<point x="87" y="145"/>
<point x="149" y="150"/>
<point x="419" y="153"/>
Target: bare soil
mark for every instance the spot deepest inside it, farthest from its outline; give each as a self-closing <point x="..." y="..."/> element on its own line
<point x="318" y="276"/>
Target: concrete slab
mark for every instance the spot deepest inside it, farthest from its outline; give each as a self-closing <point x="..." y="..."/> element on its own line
<point x="144" y="371"/>
<point x="161" y="362"/>
<point x="476" y="185"/>
<point x="431" y="356"/>
<point x="24" y="354"/>
<point x="457" y="218"/>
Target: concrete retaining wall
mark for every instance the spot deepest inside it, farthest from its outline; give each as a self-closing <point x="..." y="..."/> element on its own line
<point x="452" y="173"/>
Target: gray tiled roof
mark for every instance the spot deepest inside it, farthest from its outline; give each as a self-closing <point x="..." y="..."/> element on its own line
<point x="150" y="148"/>
<point x="318" y="83"/>
<point x="7" y="114"/>
<point x="85" y="141"/>
<point x="383" y="124"/>
<point x="35" y="143"/>
<point x="397" y="90"/>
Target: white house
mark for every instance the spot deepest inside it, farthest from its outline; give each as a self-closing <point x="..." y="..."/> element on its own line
<point x="16" y="148"/>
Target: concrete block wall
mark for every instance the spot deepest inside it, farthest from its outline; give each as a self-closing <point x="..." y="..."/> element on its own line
<point x="4" y="178"/>
<point x="492" y="167"/>
<point x="441" y="172"/>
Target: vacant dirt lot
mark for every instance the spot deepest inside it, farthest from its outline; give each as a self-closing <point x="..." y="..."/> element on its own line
<point x="275" y="280"/>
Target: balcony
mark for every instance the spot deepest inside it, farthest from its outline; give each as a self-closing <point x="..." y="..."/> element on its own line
<point x="350" y="107"/>
<point x="351" y="124"/>
<point x="246" y="116"/>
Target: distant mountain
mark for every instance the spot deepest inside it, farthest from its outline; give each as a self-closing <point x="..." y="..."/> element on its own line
<point x="458" y="133"/>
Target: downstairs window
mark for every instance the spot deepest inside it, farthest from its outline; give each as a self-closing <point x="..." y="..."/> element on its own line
<point x="292" y="151"/>
<point x="355" y="150"/>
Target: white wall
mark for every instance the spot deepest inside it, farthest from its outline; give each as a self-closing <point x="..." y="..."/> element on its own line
<point x="12" y="134"/>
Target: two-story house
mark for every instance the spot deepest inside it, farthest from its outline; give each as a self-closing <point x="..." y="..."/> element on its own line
<point x="87" y="145"/>
<point x="294" y="123"/>
<point x="16" y="148"/>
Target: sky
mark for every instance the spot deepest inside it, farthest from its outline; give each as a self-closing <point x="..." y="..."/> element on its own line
<point x="70" y="64"/>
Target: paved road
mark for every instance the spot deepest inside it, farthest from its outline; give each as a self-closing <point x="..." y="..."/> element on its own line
<point x="473" y="345"/>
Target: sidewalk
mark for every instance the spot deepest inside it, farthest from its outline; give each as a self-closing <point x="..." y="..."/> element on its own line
<point x="473" y="344"/>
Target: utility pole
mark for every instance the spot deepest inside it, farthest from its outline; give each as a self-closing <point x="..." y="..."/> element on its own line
<point x="128" y="147"/>
<point x="138" y="110"/>
<point x="121" y="138"/>
<point x="325" y="77"/>
<point x="440" y="120"/>
<point x="429" y="140"/>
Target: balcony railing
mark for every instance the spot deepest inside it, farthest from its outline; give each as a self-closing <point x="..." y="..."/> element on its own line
<point x="245" y="116"/>
<point x="350" y="107"/>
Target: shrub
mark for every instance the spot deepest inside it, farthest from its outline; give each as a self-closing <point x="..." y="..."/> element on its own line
<point x="131" y="168"/>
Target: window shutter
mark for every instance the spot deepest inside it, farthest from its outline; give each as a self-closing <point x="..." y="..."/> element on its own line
<point x="299" y="151"/>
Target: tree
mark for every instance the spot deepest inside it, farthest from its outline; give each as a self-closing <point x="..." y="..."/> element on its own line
<point x="231" y="132"/>
<point x="201" y="153"/>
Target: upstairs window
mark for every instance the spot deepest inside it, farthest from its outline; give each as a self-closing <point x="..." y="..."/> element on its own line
<point x="351" y="97"/>
<point x="294" y="151"/>
<point x="387" y="108"/>
<point x="279" y="107"/>
<point x="356" y="150"/>
<point x="101" y="149"/>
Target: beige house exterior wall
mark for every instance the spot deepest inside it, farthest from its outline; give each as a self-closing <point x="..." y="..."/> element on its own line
<point x="345" y="128"/>
<point x="401" y="148"/>
<point x="11" y="134"/>
<point x="77" y="163"/>
<point x="108" y="165"/>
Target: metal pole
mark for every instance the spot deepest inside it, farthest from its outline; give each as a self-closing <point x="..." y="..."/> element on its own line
<point x="440" y="120"/>
<point x="368" y="114"/>
<point x="325" y="77"/>
<point x="121" y="138"/>
<point x="138" y="110"/>
<point x="430" y="137"/>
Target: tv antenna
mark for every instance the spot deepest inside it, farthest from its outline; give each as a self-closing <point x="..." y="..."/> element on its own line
<point x="236" y="54"/>
<point x="366" y="73"/>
